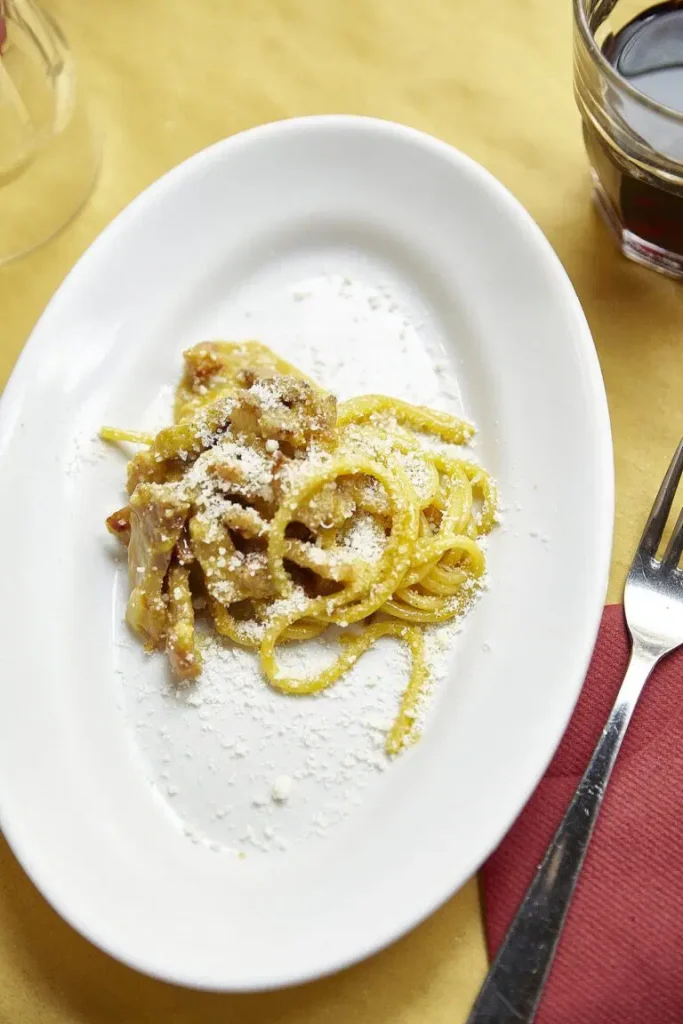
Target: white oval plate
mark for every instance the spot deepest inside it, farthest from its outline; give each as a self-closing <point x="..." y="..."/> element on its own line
<point x="370" y="254"/>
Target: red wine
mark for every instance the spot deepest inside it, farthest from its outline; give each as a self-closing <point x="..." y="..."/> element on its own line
<point x="647" y="53"/>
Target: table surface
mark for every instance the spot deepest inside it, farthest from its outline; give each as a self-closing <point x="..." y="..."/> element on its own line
<point x="494" y="79"/>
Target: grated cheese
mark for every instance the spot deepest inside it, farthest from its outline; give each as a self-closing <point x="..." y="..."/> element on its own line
<point x="254" y="771"/>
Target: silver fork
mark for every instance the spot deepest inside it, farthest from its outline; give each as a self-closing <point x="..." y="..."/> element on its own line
<point x="653" y="604"/>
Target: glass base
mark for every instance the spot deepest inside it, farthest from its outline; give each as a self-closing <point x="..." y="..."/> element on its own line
<point x="632" y="246"/>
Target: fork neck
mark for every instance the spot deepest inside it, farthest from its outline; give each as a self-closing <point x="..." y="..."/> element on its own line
<point x="644" y="657"/>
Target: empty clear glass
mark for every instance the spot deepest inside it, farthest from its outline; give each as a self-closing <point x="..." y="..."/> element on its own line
<point x="48" y="157"/>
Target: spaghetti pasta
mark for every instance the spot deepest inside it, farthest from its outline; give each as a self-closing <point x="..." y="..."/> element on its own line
<point x="291" y="515"/>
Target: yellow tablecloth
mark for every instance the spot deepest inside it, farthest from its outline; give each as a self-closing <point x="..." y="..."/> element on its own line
<point x="493" y="78"/>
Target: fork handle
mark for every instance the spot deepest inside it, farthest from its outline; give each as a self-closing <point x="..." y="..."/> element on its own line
<point x="514" y="985"/>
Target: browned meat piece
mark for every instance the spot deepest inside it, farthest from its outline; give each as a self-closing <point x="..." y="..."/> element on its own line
<point x="330" y="507"/>
<point x="183" y="550"/>
<point x="119" y="524"/>
<point x="212" y="370"/>
<point x="284" y="409"/>
<point x="157" y="518"/>
<point x="181" y="645"/>
<point x="145" y="468"/>
<point x="251" y="576"/>
<point x="367" y="494"/>
<point x="202" y="366"/>
<point x="230" y="574"/>
<point x="232" y="470"/>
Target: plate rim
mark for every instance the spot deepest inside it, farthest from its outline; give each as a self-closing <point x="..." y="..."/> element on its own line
<point x="587" y="358"/>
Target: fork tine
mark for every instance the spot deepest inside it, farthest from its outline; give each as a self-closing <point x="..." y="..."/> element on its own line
<point x="654" y="527"/>
<point x="674" y="548"/>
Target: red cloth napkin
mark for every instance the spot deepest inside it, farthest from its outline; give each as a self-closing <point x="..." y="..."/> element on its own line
<point x="620" y="959"/>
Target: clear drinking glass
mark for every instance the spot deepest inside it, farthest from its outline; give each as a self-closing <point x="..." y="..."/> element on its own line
<point x="628" y="83"/>
<point x="48" y="157"/>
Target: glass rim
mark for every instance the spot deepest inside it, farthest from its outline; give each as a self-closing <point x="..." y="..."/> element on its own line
<point x="609" y="71"/>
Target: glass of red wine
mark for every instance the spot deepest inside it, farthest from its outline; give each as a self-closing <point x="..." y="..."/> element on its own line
<point x="628" y="82"/>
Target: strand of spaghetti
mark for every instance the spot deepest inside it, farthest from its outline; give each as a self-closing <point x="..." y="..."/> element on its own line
<point x="377" y="437"/>
<point x="456" y="514"/>
<point x="134" y="436"/>
<point x="353" y="646"/>
<point x="420" y="573"/>
<point x="394" y="563"/>
<point x="466" y="548"/>
<point x="305" y="629"/>
<point x="328" y="537"/>
<point x="442" y="586"/>
<point x="473" y="554"/>
<point x="444" y="581"/>
<point x="230" y="628"/>
<point x="457" y="509"/>
<point x="482" y="482"/>
<point x="242" y="633"/>
<point x="427" y="552"/>
<point x="383" y="444"/>
<point x="404" y="730"/>
<point x="425" y="602"/>
<point x="325" y="562"/>
<point x="431" y="484"/>
<point x="416" y="615"/>
<point x="376" y="584"/>
<point x="418" y="417"/>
